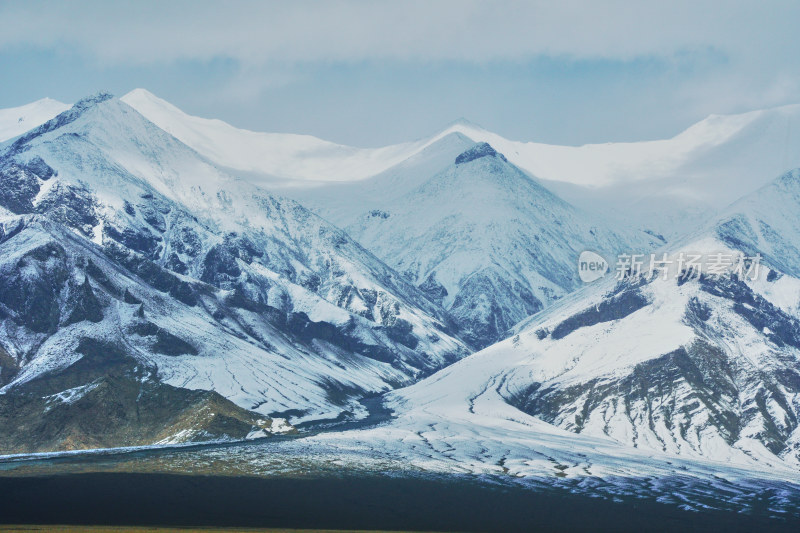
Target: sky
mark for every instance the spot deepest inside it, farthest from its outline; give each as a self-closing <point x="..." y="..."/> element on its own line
<point x="374" y="73"/>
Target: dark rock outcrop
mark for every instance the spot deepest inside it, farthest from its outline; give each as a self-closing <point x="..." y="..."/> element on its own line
<point x="476" y="152"/>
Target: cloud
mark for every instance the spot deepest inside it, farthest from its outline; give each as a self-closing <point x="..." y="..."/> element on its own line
<point x="258" y="33"/>
<point x="622" y="68"/>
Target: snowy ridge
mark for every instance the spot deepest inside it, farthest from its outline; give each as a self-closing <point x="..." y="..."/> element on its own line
<point x="668" y="186"/>
<point x="474" y="231"/>
<point x="766" y="222"/>
<point x="286" y="156"/>
<point x="599" y="165"/>
<point x="15" y="121"/>
<point x="766" y="134"/>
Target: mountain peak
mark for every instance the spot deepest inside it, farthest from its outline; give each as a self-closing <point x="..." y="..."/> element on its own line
<point x="93" y="99"/>
<point x="462" y="125"/>
<point x="15" y="121"/>
<point x="70" y="115"/>
<point x="461" y="121"/>
<point x="139" y="98"/>
<point x="139" y="92"/>
<point x="476" y="152"/>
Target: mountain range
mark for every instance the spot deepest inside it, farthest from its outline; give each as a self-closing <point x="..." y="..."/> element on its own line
<point x="667" y="186"/>
<point x="251" y="295"/>
<point x="167" y="279"/>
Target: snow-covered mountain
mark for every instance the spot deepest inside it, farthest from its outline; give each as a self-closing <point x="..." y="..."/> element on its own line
<point x="276" y="310"/>
<point x="698" y="366"/>
<point x="682" y="389"/>
<point x="134" y="264"/>
<point x="269" y="158"/>
<point x="473" y="231"/>
<point x="766" y="222"/>
<point x="460" y="423"/>
<point x="82" y="343"/>
<point x="667" y="186"/>
<point x="15" y="121"/>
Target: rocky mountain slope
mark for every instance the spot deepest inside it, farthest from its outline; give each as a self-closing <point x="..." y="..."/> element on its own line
<point x="691" y="364"/>
<point x="261" y="301"/>
<point x="149" y="296"/>
<point x="81" y="339"/>
<point x="473" y="231"/>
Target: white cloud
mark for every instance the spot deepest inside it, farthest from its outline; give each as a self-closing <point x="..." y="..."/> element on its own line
<point x="718" y="56"/>
<point x="255" y="33"/>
